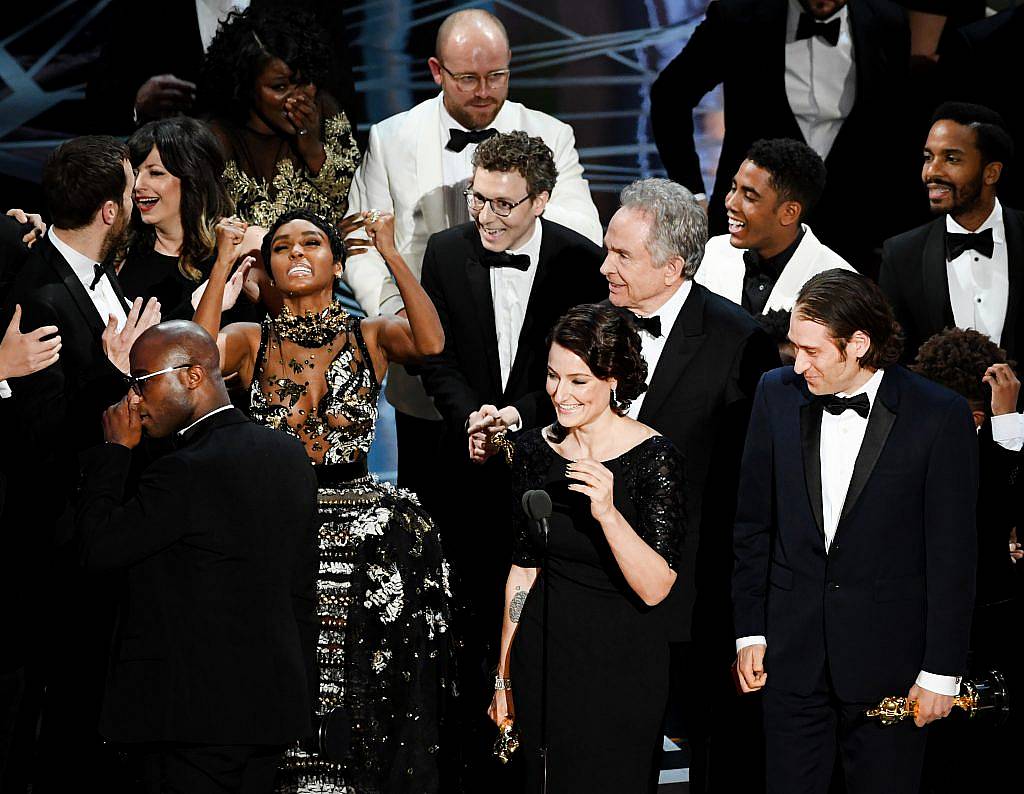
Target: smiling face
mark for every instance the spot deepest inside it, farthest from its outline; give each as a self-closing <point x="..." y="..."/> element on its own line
<point x="820" y="361"/>
<point x="301" y="260"/>
<point x="959" y="182"/>
<point x="497" y="233"/>
<point x="757" y="219"/>
<point x="274" y="84"/>
<point x="635" y="280"/>
<point x="157" y="191"/>
<point x="578" y="395"/>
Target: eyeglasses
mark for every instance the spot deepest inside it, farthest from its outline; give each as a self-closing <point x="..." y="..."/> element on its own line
<point x="499" y="207"/>
<point x="134" y="382"/>
<point x="469" y="82"/>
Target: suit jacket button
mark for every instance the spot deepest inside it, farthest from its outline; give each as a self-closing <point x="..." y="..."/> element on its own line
<point x="833" y="586"/>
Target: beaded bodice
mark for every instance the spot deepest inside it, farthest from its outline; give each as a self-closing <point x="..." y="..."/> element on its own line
<point x="322" y="391"/>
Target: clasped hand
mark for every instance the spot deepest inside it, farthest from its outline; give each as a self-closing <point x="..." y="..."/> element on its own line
<point x="485" y="423"/>
<point x="122" y="424"/>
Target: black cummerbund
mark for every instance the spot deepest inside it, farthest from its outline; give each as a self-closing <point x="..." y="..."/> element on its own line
<point x="338" y="475"/>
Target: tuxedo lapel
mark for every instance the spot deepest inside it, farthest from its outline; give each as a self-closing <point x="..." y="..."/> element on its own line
<point x="1013" y="226"/>
<point x="684" y="340"/>
<point x="772" y="31"/>
<point x="538" y="294"/>
<point x="810" y="444"/>
<point x="77" y="292"/>
<point x="479" y="277"/>
<point x="880" y="422"/>
<point x="935" y="279"/>
<point x="429" y="176"/>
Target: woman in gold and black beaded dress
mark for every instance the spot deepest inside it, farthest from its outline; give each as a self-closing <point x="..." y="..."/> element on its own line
<point x="383" y="601"/>
<point x="286" y="142"/>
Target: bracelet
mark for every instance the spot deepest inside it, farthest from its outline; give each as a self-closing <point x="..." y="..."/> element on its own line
<point x="502" y="683"/>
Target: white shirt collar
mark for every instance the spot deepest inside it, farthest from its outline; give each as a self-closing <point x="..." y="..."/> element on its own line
<point x="669" y="310"/>
<point x="84" y="267"/>
<point x="994" y="221"/>
<point x="227" y="407"/>
<point x="532" y="246"/>
<point x="870" y="388"/>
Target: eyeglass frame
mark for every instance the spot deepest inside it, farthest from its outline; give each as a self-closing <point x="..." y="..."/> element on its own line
<point x="472" y="194"/>
<point x="501" y="75"/>
<point x="134" y="382"/>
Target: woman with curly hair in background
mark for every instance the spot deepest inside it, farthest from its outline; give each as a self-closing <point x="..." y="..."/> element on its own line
<point x="286" y="142"/>
<point x="615" y="536"/>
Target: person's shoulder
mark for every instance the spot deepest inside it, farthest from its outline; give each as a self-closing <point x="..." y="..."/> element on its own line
<point x="569" y="241"/>
<point x="920" y="391"/>
<point x="407" y="119"/>
<point x="913" y="238"/>
<point x="720" y="245"/>
<point x="534" y="122"/>
<point x="724" y="316"/>
<point x="453" y="239"/>
<point x="659" y="447"/>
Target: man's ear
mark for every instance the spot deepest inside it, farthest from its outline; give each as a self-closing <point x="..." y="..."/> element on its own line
<point x="858" y="345"/>
<point x="674" y="269"/>
<point x="109" y="212"/>
<point x="435" y="69"/>
<point x="790" y="212"/>
<point x="990" y="175"/>
<point x="540" y="202"/>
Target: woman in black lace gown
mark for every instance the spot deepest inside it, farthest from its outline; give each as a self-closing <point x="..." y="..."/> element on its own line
<point x="314" y="371"/>
<point x="615" y="534"/>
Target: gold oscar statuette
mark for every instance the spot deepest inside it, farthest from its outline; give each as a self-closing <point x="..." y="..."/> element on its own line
<point x="986" y="696"/>
<point x="507" y="741"/>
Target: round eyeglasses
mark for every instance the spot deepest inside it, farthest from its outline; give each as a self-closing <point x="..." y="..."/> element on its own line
<point x="500" y="207"/>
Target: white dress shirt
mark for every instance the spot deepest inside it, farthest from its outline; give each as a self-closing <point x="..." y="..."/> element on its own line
<point x="456" y="170"/>
<point x="103" y="297"/>
<point x="841" y="439"/>
<point x="651" y="347"/>
<point x="979" y="286"/>
<point x="510" y="294"/>
<point x="211" y="13"/>
<point x="821" y="81"/>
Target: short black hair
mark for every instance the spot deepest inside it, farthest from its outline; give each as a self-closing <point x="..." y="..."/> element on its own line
<point x="845" y="302"/>
<point x="957" y="359"/>
<point x="796" y="171"/>
<point x="991" y="135"/>
<point x="337" y="244"/>
<point x="80" y="176"/>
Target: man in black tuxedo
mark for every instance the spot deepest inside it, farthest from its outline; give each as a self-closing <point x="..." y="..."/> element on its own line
<point x="704" y="357"/>
<point x="87" y="183"/>
<point x="499" y="284"/>
<point x="825" y="72"/>
<point x="966" y="267"/>
<point x="213" y="668"/>
<point x="855" y="546"/>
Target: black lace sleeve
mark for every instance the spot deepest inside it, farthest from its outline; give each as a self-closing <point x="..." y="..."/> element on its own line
<point x="528" y="464"/>
<point x="658" y="495"/>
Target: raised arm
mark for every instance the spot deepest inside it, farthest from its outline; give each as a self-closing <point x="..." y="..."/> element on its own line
<point x="401" y="339"/>
<point x="234" y="343"/>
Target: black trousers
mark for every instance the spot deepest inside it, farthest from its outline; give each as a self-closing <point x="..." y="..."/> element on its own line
<point x="419" y="444"/>
<point x="211" y="769"/>
<point x="804" y="733"/>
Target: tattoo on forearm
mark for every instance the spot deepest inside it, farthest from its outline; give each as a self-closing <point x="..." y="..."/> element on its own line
<point x="515" y="608"/>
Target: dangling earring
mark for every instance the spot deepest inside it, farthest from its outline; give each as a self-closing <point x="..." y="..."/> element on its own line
<point x="614" y="401"/>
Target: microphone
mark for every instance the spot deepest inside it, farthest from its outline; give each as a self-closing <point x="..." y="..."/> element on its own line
<point x="537" y="506"/>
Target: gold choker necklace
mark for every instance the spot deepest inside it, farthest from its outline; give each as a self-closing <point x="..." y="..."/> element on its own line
<point x="311" y="330"/>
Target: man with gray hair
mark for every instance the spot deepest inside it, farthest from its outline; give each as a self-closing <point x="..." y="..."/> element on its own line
<point x="705" y="356"/>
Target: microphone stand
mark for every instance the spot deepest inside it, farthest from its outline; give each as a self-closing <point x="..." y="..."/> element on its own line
<point x="544" y="654"/>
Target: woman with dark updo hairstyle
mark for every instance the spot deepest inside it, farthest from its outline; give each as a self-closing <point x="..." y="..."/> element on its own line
<point x="287" y="143"/>
<point x="615" y="537"/>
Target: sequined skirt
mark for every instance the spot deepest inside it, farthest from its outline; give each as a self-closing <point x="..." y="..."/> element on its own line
<point x="384" y="643"/>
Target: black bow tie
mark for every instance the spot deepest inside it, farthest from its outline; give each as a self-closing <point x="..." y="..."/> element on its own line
<point x="101" y="270"/>
<point x="836" y="405"/>
<point x="460" y="139"/>
<point x="981" y="242"/>
<point x="809" y="26"/>
<point x="651" y="325"/>
<point x="505" y="259"/>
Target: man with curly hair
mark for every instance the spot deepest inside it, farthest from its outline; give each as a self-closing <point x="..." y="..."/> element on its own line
<point x="769" y="251"/>
<point x="418" y="165"/>
<point x="499" y="284"/>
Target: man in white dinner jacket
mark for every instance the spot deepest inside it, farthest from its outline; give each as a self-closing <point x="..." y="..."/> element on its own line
<point x="418" y="165"/>
<point x="769" y="252"/>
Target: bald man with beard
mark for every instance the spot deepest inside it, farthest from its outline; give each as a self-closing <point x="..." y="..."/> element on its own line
<point x="212" y="670"/>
